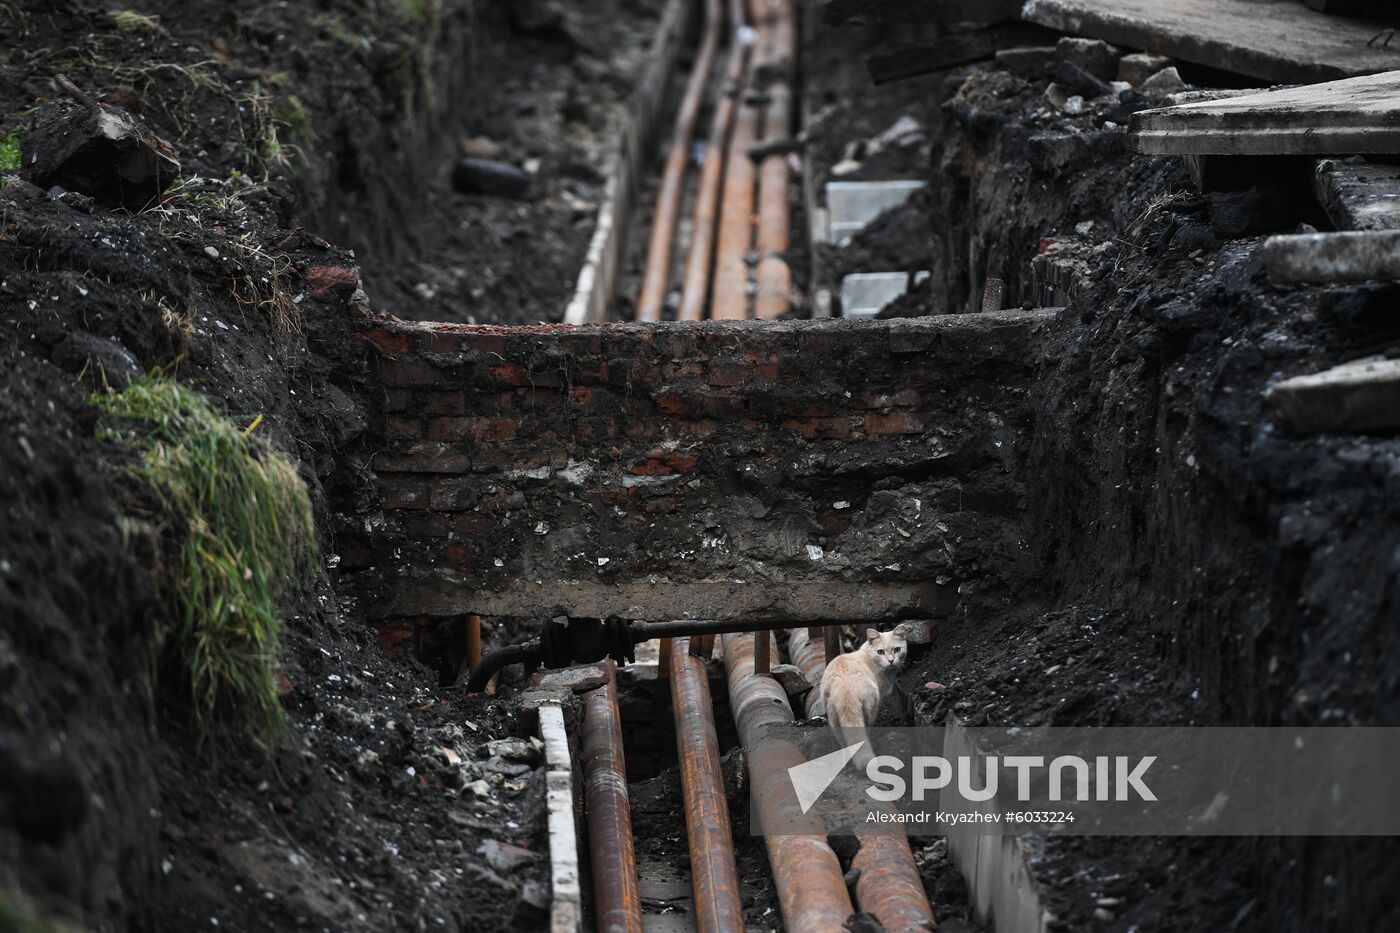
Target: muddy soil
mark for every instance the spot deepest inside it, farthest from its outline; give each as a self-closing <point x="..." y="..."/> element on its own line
<point x="556" y="101"/>
<point x="861" y="131"/>
<point x="1190" y="561"/>
<point x="393" y="802"/>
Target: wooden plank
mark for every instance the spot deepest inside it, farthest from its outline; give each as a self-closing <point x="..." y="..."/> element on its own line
<point x="1354" y="115"/>
<point x="1278" y="42"/>
<point x="959" y="48"/>
<point x="1359" y="195"/>
<point x="862" y="12"/>
<point x="730" y="600"/>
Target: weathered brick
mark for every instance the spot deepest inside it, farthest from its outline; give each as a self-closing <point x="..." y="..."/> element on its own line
<point x="900" y="398"/>
<point x="897" y="422"/>
<point x="392" y="343"/>
<point x="484" y="343"/>
<point x="403" y="492"/>
<point x="397" y="428"/>
<point x="807" y="408"/>
<point x="410" y="372"/>
<point x="422" y="457"/>
<point x="820" y="428"/>
<point x="474" y="524"/>
<point x="663" y="506"/>
<point x="398" y="400"/>
<point x="479" y="429"/>
<point x="688" y="404"/>
<point x="446" y="403"/>
<point x="453" y="494"/>
<point x="728" y="374"/>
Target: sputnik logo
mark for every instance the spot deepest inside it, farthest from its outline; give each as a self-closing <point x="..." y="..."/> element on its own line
<point x="811" y="778"/>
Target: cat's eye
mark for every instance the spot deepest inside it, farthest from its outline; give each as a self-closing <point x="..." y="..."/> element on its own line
<point x="881" y="651"/>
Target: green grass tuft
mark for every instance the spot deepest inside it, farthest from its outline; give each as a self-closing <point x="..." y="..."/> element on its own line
<point x="244" y="540"/>
<point x="131" y="21"/>
<point x="9" y="154"/>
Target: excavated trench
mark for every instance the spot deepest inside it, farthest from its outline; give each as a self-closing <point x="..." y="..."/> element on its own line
<point x="1086" y="490"/>
<point x="1092" y="553"/>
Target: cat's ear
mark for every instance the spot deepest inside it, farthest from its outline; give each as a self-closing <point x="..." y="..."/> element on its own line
<point x="902" y="630"/>
<point x="872" y="634"/>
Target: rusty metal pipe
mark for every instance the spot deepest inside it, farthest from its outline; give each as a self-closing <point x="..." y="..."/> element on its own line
<point x="774" y="278"/>
<point x="617" y="897"/>
<point x="811" y="889"/>
<point x="696" y="287"/>
<point x="889" y="885"/>
<point x="736" y="228"/>
<point x="809" y="654"/>
<point x="668" y="198"/>
<point x="719" y="906"/>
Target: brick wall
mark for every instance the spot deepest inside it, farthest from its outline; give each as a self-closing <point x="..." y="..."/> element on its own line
<point x="790" y="453"/>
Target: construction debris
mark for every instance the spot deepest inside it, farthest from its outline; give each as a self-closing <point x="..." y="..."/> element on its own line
<point x="101" y="152"/>
<point x="1351" y="256"/>
<point x="1358" y="195"/>
<point x="1287" y="43"/>
<point x="1363" y="395"/>
<point x="1355" y="115"/>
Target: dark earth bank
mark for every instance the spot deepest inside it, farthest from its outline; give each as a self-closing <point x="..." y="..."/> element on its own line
<point x="392" y="803"/>
<point x="1185" y="560"/>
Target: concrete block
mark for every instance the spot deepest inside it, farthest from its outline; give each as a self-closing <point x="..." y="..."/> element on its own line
<point x="1363" y="395"/>
<point x="854" y="204"/>
<point x="864" y="294"/>
<point x="1354" y="256"/>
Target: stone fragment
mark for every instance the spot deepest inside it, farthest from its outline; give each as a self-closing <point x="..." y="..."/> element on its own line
<point x="101" y="152"/>
<point x="1076" y="80"/>
<point x="1164" y="82"/>
<point x="1094" y="56"/>
<point x="1139" y="66"/>
<point x="484" y="176"/>
<point x="1031" y="62"/>
<point x="791" y="678"/>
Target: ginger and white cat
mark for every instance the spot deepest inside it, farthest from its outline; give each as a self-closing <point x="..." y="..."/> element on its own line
<point x="857" y="684"/>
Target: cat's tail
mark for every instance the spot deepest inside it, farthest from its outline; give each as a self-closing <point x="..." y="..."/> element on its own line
<point x="847" y="720"/>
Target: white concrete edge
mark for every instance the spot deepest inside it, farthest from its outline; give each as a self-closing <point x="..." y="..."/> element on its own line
<point x="566" y="892"/>
<point x="597" y="280"/>
<point x="1003" y="894"/>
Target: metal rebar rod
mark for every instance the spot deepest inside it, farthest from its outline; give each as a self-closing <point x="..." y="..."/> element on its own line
<point x="719" y="904"/>
<point x="617" y="897"/>
<point x="668" y="199"/>
<point x="811" y="889"/>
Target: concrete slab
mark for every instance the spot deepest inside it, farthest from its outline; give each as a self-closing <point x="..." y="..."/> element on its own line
<point x="862" y="12"/>
<point x="815" y="601"/>
<point x="1355" y="115"/>
<point x="865" y="294"/>
<point x="1321" y="258"/>
<point x="1003" y="893"/>
<point x="959" y="48"/>
<point x="852" y="205"/>
<point x="1363" y="395"/>
<point x="1359" y="195"/>
<point x="1286" y="43"/>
